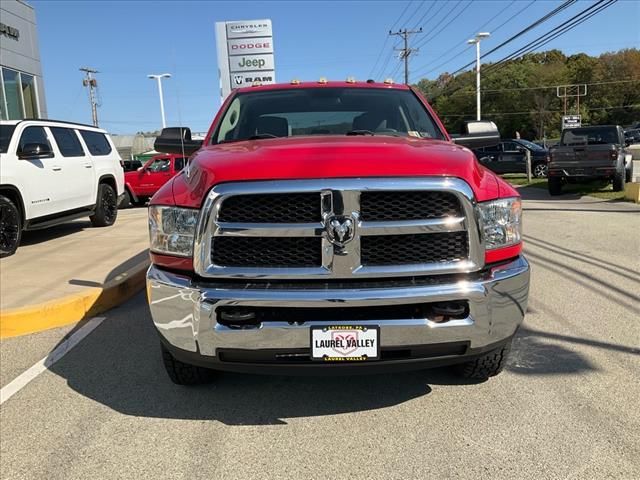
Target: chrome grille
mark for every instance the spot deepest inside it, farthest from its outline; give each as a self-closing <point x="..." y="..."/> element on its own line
<point x="381" y="206"/>
<point x="271" y="252"/>
<point x="410" y="249"/>
<point x="332" y="228"/>
<point x="271" y="208"/>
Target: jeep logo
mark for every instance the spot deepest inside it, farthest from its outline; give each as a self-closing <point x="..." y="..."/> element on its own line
<point x="256" y="63"/>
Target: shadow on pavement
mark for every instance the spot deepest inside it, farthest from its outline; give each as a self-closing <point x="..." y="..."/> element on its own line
<point x="574" y="202"/>
<point x="119" y="366"/>
<point x="33" y="237"/>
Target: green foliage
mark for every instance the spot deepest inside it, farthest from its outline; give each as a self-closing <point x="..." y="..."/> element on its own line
<point x="511" y="98"/>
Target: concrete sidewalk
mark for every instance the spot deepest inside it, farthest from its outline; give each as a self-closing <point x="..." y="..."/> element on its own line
<point x="71" y="267"/>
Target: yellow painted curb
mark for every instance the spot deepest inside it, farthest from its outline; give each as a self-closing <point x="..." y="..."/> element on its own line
<point x="73" y="308"/>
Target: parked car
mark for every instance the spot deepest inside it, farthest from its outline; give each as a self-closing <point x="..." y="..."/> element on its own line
<point x="142" y="183"/>
<point x="52" y="172"/>
<point x="588" y="153"/>
<point x="632" y="136"/>
<point x="510" y="157"/>
<point x="334" y="227"/>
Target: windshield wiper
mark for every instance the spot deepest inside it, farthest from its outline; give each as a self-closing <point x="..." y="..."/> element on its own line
<point x="360" y="132"/>
<point x="261" y="136"/>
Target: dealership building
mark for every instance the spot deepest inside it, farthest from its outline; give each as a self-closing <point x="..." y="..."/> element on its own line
<point x="21" y="84"/>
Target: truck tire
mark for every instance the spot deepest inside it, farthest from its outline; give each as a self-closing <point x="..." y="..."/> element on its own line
<point x="487" y="365"/>
<point x="126" y="200"/>
<point x="618" y="180"/>
<point x="182" y="373"/>
<point x="10" y="227"/>
<point x="555" y="185"/>
<point x="106" y="207"/>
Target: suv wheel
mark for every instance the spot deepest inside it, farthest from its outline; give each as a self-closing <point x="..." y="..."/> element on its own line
<point x="182" y="373"/>
<point x="10" y="227"/>
<point x="540" y="170"/>
<point x="555" y="185"/>
<point x="106" y="207"/>
<point x="618" y="180"/>
<point x="487" y="365"/>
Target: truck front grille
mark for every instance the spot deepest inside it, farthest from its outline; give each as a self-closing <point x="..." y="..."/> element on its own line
<point x="270" y="252"/>
<point x="338" y="229"/>
<point x="414" y="249"/>
<point x="381" y="206"/>
<point x="271" y="208"/>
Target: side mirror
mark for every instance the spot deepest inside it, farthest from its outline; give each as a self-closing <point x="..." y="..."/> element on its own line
<point x="176" y="140"/>
<point x="478" y="134"/>
<point x="34" y="151"/>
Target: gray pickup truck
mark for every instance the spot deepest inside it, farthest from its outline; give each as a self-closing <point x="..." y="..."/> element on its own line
<point x="588" y="153"/>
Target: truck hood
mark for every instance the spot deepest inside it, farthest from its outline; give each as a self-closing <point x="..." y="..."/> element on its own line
<point x="327" y="157"/>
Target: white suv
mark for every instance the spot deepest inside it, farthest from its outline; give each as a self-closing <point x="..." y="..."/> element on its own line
<point x="52" y="172"/>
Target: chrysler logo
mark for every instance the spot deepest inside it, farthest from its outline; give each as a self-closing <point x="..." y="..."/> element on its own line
<point x="340" y="230"/>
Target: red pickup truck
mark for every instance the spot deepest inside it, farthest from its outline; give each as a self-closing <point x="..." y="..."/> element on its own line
<point x="334" y="227"/>
<point x="142" y="184"/>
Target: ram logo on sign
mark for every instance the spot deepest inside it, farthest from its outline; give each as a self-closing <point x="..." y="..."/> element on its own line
<point x="245" y="54"/>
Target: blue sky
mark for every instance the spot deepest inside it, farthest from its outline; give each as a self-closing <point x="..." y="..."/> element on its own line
<point x="126" y="41"/>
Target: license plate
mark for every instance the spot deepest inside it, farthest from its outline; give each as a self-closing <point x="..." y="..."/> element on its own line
<point x="345" y="343"/>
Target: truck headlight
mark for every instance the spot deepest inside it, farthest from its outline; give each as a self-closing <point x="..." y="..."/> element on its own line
<point x="172" y="230"/>
<point x="501" y="222"/>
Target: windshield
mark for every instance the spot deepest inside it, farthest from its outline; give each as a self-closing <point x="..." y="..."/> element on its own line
<point x="5" y="137"/>
<point x="590" y="136"/>
<point x="531" y="145"/>
<point x="325" y="111"/>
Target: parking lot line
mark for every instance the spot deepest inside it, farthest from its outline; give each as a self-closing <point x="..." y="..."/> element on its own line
<point x="56" y="354"/>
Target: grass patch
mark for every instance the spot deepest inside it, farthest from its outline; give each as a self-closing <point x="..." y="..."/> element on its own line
<point x="595" y="188"/>
<point x="517" y="179"/>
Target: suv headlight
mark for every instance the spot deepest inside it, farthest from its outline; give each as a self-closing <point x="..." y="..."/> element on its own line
<point x="172" y="229"/>
<point x="501" y="222"/>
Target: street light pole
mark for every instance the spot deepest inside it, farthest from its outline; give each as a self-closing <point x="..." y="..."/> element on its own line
<point x="159" y="80"/>
<point x="477" y="40"/>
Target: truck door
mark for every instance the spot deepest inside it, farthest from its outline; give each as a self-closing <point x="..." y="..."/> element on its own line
<point x="154" y="174"/>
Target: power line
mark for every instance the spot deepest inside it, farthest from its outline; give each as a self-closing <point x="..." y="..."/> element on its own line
<point x="431" y="5"/>
<point x="544" y="87"/>
<point x="432" y="35"/>
<point x="541" y="20"/>
<point x="529" y="112"/>
<point x="554" y="33"/>
<point x="386" y="40"/>
<point x="479" y="29"/>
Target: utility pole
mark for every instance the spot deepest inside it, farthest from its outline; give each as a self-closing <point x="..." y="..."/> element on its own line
<point x="406" y="51"/>
<point x="92" y="83"/>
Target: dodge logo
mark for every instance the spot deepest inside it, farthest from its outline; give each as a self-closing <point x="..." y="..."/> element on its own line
<point x="340" y="230"/>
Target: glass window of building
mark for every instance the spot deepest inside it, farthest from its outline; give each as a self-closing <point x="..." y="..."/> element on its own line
<point x="3" y="110"/>
<point x="28" y="85"/>
<point x="13" y="94"/>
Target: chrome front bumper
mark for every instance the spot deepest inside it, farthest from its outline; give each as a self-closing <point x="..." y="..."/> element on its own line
<point x="184" y="312"/>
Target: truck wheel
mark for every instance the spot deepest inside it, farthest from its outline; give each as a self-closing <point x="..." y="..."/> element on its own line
<point x="126" y="200"/>
<point x="106" y="207"/>
<point x="182" y="373"/>
<point x="555" y="185"/>
<point x="486" y="366"/>
<point x="10" y="227"/>
<point x="540" y="170"/>
<point x="618" y="180"/>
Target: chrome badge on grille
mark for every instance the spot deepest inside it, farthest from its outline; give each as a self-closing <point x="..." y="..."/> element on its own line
<point x="340" y="230"/>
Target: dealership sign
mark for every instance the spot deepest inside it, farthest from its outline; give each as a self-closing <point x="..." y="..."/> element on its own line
<point x="571" y="121"/>
<point x="245" y="54"/>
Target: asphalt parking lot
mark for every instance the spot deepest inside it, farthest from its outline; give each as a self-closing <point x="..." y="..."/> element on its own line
<point x="565" y="408"/>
